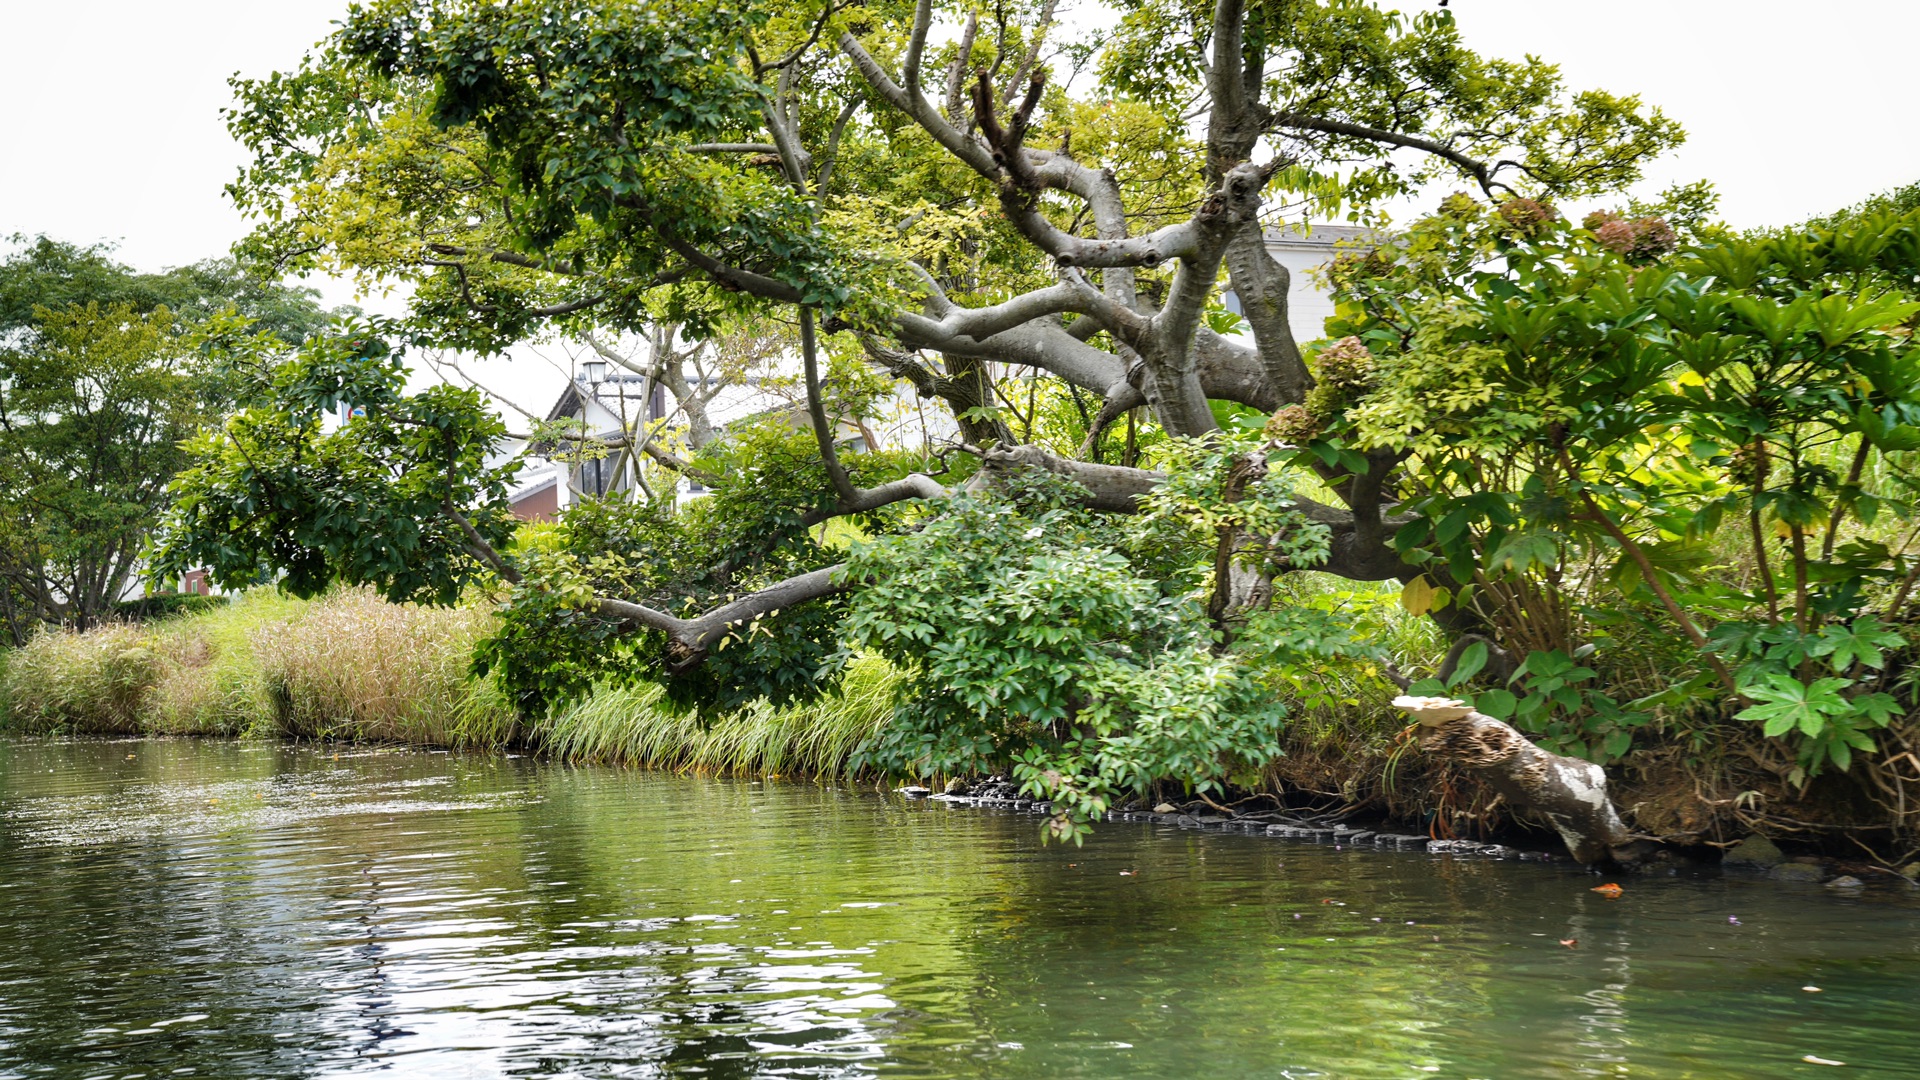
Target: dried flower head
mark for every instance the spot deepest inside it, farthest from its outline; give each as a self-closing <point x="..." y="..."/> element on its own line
<point x="1527" y="217"/>
<point x="1293" y="425"/>
<point x="1616" y="236"/>
<point x="1641" y="240"/>
<point x="1346" y="364"/>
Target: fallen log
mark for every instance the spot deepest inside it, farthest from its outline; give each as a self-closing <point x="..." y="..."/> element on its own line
<point x="1568" y="792"/>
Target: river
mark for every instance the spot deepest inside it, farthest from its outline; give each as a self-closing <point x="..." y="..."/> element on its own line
<point x="231" y="909"/>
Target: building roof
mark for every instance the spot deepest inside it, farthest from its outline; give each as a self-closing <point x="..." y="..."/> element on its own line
<point x="1323" y="237"/>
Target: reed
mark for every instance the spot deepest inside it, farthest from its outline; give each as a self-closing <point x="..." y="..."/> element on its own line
<point x="209" y="680"/>
<point x="353" y="666"/>
<point x="95" y="683"/>
<point x="632" y="726"/>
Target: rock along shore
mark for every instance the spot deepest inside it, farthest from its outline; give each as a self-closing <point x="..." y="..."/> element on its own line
<point x="1285" y="824"/>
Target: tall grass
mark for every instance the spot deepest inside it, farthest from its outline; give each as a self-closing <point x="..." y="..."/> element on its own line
<point x="346" y="666"/>
<point x="351" y="666"/>
<point x="209" y="680"/>
<point x="97" y="682"/>
<point x="356" y="667"/>
<point x="630" y="725"/>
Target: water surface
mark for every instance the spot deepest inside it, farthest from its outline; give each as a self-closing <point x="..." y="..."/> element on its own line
<point x="245" y="910"/>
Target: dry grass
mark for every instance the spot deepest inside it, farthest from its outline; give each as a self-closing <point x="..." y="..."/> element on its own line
<point x="356" y="667"/>
<point x="97" y="682"/>
<point x="346" y="666"/>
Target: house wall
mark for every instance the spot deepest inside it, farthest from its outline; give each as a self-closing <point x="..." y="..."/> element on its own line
<point x="540" y="504"/>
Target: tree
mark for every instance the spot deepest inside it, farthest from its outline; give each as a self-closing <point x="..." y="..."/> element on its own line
<point x="573" y="168"/>
<point x="99" y="386"/>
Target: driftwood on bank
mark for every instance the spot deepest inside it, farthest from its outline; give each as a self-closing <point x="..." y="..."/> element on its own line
<point x="1568" y="792"/>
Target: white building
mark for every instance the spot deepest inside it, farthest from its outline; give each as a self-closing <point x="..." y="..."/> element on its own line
<point x="1303" y="253"/>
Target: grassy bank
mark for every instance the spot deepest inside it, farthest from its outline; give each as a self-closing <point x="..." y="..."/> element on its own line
<point x="351" y="666"/>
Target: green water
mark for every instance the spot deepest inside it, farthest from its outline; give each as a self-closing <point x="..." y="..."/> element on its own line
<point x="235" y="910"/>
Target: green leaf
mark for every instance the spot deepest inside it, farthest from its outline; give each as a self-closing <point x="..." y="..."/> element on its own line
<point x="1499" y="704"/>
<point x="1472" y="659"/>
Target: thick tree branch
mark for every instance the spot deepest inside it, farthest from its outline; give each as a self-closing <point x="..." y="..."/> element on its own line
<point x="690" y="638"/>
<point x="1233" y="75"/>
<point x="915" y="105"/>
<point x="1262" y="283"/>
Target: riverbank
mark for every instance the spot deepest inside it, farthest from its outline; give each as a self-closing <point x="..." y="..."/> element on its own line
<point x="353" y="668"/>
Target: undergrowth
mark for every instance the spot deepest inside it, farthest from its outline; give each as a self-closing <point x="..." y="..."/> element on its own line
<point x="633" y="726"/>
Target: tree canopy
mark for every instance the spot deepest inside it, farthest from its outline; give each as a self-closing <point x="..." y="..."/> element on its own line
<point x="1514" y="416"/>
<point x="99" y="387"/>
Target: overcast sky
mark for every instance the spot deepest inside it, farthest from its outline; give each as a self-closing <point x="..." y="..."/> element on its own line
<point x="113" y="129"/>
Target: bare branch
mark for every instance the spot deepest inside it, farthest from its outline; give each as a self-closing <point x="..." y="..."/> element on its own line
<point x="1478" y="170"/>
<point x="799" y="50"/>
<point x="817" y="411"/>
<point x="914" y="104"/>
<point x="1032" y="58"/>
<point x="832" y="156"/>
<point x="478" y="544"/>
<point x="726" y="274"/>
<point x="690" y="638"/>
<point x="916" y="46"/>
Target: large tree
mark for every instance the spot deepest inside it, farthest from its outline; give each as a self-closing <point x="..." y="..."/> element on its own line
<point x="99" y="388"/>
<point x="941" y="192"/>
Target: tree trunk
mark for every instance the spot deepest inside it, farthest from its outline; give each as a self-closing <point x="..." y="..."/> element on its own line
<point x="1568" y="792"/>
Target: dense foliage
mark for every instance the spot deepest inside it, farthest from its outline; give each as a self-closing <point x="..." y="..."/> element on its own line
<point x="1579" y="412"/>
<point x="101" y="381"/>
<point x="1639" y="470"/>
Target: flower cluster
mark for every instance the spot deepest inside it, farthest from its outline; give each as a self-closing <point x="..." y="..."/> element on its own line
<point x="1352" y="267"/>
<point x="1345" y="371"/>
<point x="1345" y="363"/>
<point x="1293" y="425"/>
<point x="1641" y="240"/>
<point x="1527" y="217"/>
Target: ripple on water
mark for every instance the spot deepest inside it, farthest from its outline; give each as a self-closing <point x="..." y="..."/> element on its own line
<point x="266" y="911"/>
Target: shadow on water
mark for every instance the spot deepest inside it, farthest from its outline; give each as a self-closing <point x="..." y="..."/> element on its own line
<point x="258" y="910"/>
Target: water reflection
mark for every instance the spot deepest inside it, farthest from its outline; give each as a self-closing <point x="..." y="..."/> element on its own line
<point x="266" y="911"/>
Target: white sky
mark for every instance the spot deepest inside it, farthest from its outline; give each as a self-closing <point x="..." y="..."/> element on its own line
<point x="113" y="130"/>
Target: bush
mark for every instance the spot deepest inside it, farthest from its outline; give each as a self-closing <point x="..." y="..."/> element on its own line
<point x="167" y="605"/>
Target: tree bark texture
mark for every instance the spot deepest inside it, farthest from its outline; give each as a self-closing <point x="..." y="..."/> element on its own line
<point x="1570" y="793"/>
